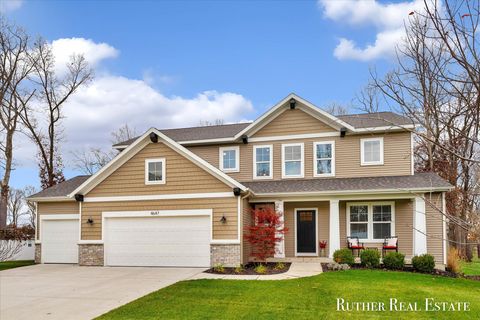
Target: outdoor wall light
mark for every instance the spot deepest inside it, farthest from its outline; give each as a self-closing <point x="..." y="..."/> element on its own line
<point x="223" y="219"/>
<point x="292" y="103"/>
<point x="90" y="221"/>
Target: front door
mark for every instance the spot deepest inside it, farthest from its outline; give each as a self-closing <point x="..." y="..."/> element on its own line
<point x="306" y="232"/>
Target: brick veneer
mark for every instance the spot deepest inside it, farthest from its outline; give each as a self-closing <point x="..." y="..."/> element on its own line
<point x="226" y="254"/>
<point x="90" y="255"/>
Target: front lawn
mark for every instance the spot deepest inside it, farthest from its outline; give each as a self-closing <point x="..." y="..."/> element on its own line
<point x="471" y="268"/>
<point x="4" y="265"/>
<point x="305" y="298"/>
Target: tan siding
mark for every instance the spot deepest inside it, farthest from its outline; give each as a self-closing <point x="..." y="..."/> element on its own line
<point x="246" y="221"/>
<point x="323" y="223"/>
<point x="433" y="203"/>
<point x="293" y="121"/>
<point x="220" y="206"/>
<point x="397" y="156"/>
<point x="63" y="207"/>
<point x="403" y="227"/>
<point x="182" y="176"/>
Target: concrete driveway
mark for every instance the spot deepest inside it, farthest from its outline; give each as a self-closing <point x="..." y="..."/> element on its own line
<point x="73" y="292"/>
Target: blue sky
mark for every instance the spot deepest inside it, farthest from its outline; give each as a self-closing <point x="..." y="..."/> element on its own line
<point x="251" y="53"/>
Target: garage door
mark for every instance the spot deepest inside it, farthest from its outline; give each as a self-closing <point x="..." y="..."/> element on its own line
<point x="158" y="241"/>
<point x="59" y="241"/>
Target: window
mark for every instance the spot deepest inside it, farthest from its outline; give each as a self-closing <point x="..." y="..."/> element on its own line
<point x="371" y="222"/>
<point x="371" y="151"/>
<point x="155" y="171"/>
<point x="262" y="162"/>
<point x="229" y="159"/>
<point x="292" y="160"/>
<point x="324" y="159"/>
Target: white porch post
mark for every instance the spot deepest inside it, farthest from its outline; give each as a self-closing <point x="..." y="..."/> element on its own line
<point x="334" y="227"/>
<point x="280" y="246"/>
<point x="420" y="227"/>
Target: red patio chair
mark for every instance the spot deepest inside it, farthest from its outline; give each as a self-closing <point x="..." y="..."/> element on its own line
<point x="390" y="243"/>
<point x="355" y="244"/>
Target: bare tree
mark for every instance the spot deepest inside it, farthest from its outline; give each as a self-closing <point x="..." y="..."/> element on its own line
<point x="367" y="100"/>
<point x="15" y="67"/>
<point x="336" y="109"/>
<point x="15" y="207"/>
<point x="208" y="123"/>
<point x="53" y="91"/>
<point x="124" y="133"/>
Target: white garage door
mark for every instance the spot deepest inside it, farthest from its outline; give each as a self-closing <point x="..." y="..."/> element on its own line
<point x="59" y="241"/>
<point x="182" y="241"/>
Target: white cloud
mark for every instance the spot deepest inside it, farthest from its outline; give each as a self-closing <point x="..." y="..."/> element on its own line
<point x="94" y="53"/>
<point x="388" y="19"/>
<point x="10" y="5"/>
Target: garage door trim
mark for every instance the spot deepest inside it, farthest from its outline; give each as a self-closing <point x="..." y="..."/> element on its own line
<point x="43" y="217"/>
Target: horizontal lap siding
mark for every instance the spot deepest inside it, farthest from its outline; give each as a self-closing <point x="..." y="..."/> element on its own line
<point x="246" y="221"/>
<point x="397" y="156"/>
<point x="69" y="207"/>
<point x="182" y="176"/>
<point x="433" y="207"/>
<point x="220" y="206"/>
<point x="403" y="226"/>
<point x="323" y="223"/>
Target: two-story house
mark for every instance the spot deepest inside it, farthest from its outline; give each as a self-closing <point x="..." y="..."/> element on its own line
<point x="182" y="197"/>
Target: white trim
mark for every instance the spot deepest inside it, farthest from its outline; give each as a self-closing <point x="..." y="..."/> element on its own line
<point x="444" y="228"/>
<point x="206" y="141"/>
<point x="362" y="152"/>
<point x="50" y="199"/>
<point x="237" y="158"/>
<point x="389" y="128"/>
<point x="370" y="221"/>
<point x="309" y="254"/>
<point x="37" y="220"/>
<point x="239" y="220"/>
<point x="139" y="144"/>
<point x="295" y="136"/>
<point x="412" y="150"/>
<point x="155" y="160"/>
<point x="302" y="160"/>
<point x="80" y="221"/>
<point x="280" y="246"/>
<point x="334" y="227"/>
<point x="73" y="216"/>
<point x="420" y="227"/>
<point x="172" y="196"/>
<point x="90" y="242"/>
<point x="315" y="159"/>
<point x="255" y="147"/>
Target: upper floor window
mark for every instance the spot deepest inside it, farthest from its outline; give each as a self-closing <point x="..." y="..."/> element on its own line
<point x="324" y="159"/>
<point x="371" y="221"/>
<point x="292" y="160"/>
<point x="229" y="159"/>
<point x="155" y="171"/>
<point x="262" y="162"/>
<point x="371" y="151"/>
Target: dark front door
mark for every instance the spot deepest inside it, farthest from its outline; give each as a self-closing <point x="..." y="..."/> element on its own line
<point x="306" y="239"/>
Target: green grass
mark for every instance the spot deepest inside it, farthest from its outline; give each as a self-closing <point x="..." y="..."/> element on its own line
<point x="15" y="264"/>
<point x="305" y="298"/>
<point x="471" y="268"/>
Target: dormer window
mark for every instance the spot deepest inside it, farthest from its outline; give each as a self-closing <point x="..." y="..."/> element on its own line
<point x="155" y="171"/>
<point x="229" y="159"/>
<point x="371" y="151"/>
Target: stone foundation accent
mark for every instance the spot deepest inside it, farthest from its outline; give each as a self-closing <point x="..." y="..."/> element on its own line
<point x="226" y="254"/>
<point x="38" y="253"/>
<point x="90" y="255"/>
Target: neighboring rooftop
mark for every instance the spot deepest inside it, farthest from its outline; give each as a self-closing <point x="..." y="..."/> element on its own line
<point x="425" y="180"/>
<point x="358" y="121"/>
<point x="62" y="189"/>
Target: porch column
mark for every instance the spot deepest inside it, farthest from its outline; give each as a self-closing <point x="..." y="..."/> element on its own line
<point x="419" y="227"/>
<point x="280" y="246"/>
<point x="334" y="241"/>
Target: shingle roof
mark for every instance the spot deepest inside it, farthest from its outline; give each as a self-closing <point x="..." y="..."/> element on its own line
<point x="367" y="120"/>
<point x="427" y="180"/>
<point x="62" y="189"/>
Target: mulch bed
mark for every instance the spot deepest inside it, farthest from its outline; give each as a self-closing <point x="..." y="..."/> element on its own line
<point x="407" y="268"/>
<point x="249" y="269"/>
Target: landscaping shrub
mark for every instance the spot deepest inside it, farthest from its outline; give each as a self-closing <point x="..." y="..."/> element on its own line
<point x="338" y="267"/>
<point x="344" y="256"/>
<point x="279" y="266"/>
<point x="453" y="261"/>
<point x="424" y="263"/>
<point x="262" y="269"/>
<point x="239" y="269"/>
<point x="370" y="258"/>
<point x="394" y="261"/>
<point x="219" y="268"/>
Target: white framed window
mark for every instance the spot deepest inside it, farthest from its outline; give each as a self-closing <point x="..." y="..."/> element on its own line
<point x="371" y="151"/>
<point x="229" y="159"/>
<point x="292" y="160"/>
<point x="324" y="159"/>
<point x="371" y="221"/>
<point x="263" y="162"/>
<point x="155" y="171"/>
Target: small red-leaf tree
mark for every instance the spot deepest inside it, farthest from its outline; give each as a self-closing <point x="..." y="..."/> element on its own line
<point x="267" y="230"/>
